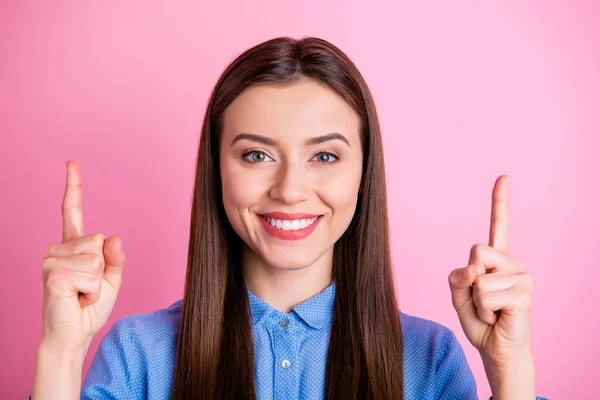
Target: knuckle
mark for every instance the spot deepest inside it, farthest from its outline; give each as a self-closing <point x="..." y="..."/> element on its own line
<point x="452" y="276"/>
<point x="524" y="301"/>
<point x="49" y="250"/>
<point x="47" y="265"/>
<point x="99" y="239"/>
<point x="477" y="249"/>
<point x="473" y="249"/>
<point x="480" y="283"/>
<point x="484" y="301"/>
<point x="55" y="278"/>
<point x="527" y="282"/>
<point x="98" y="264"/>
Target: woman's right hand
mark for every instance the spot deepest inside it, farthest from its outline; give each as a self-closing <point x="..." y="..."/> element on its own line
<point x="82" y="277"/>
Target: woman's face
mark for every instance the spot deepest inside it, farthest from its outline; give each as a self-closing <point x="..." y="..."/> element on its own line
<point x="291" y="164"/>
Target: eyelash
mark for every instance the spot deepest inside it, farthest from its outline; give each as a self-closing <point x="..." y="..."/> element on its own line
<point x="336" y="158"/>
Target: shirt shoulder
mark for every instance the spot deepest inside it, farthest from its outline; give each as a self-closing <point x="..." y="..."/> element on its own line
<point x="426" y="340"/>
<point x="434" y="362"/>
<point x="148" y="332"/>
<point x="421" y="329"/>
<point x="135" y="356"/>
<point x="154" y="327"/>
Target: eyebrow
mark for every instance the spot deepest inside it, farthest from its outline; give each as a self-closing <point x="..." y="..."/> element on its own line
<point x="270" y="142"/>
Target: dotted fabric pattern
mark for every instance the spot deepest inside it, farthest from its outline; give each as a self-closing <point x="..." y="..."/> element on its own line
<point x="136" y="358"/>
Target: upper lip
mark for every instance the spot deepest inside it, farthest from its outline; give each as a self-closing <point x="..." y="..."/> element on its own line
<point x="286" y="216"/>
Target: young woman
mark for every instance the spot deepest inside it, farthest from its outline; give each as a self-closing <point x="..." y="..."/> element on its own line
<point x="289" y="291"/>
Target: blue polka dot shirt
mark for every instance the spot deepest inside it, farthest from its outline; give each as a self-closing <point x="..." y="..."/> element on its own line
<point x="136" y="358"/>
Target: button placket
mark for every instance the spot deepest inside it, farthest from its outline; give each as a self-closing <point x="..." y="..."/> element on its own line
<point x="286" y="369"/>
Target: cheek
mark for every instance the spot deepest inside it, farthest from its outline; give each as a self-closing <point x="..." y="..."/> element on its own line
<point x="340" y="191"/>
<point x="240" y="189"/>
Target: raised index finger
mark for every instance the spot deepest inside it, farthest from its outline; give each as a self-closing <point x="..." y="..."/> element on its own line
<point x="72" y="211"/>
<point x="499" y="223"/>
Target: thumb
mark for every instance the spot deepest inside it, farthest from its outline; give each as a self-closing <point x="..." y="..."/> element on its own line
<point x="460" y="281"/>
<point x="114" y="259"/>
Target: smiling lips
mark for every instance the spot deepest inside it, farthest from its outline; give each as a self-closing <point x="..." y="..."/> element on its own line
<point x="289" y="226"/>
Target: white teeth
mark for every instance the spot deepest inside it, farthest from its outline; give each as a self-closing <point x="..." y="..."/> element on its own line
<point x="288" y="225"/>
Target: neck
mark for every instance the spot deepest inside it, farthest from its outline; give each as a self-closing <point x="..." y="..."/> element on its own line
<point x="283" y="288"/>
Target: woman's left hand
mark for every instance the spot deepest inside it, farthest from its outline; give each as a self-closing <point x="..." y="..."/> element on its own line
<point x="492" y="295"/>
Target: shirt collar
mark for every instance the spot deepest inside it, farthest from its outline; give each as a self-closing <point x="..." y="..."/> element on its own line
<point x="316" y="311"/>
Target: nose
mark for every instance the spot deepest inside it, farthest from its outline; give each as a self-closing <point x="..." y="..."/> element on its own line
<point x="291" y="184"/>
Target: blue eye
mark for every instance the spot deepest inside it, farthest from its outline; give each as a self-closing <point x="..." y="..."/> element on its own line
<point x="256" y="156"/>
<point x="327" y="159"/>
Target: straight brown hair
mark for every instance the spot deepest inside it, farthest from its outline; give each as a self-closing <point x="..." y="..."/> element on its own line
<point x="215" y="350"/>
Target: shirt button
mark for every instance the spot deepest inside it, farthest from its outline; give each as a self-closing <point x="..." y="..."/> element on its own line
<point x="283" y="323"/>
<point x="285" y="364"/>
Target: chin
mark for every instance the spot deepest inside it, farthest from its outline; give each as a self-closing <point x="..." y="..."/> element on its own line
<point x="289" y="261"/>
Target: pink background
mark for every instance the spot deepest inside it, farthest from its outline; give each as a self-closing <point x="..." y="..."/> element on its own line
<point x="466" y="91"/>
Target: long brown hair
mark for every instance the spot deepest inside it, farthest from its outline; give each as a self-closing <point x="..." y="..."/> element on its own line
<point x="215" y="350"/>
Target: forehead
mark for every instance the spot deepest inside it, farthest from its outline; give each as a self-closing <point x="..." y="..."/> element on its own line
<point x="303" y="109"/>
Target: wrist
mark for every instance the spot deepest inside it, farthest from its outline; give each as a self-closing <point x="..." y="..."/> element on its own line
<point x="62" y="357"/>
<point x="514" y="380"/>
<point x="58" y="373"/>
<point x="54" y="345"/>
